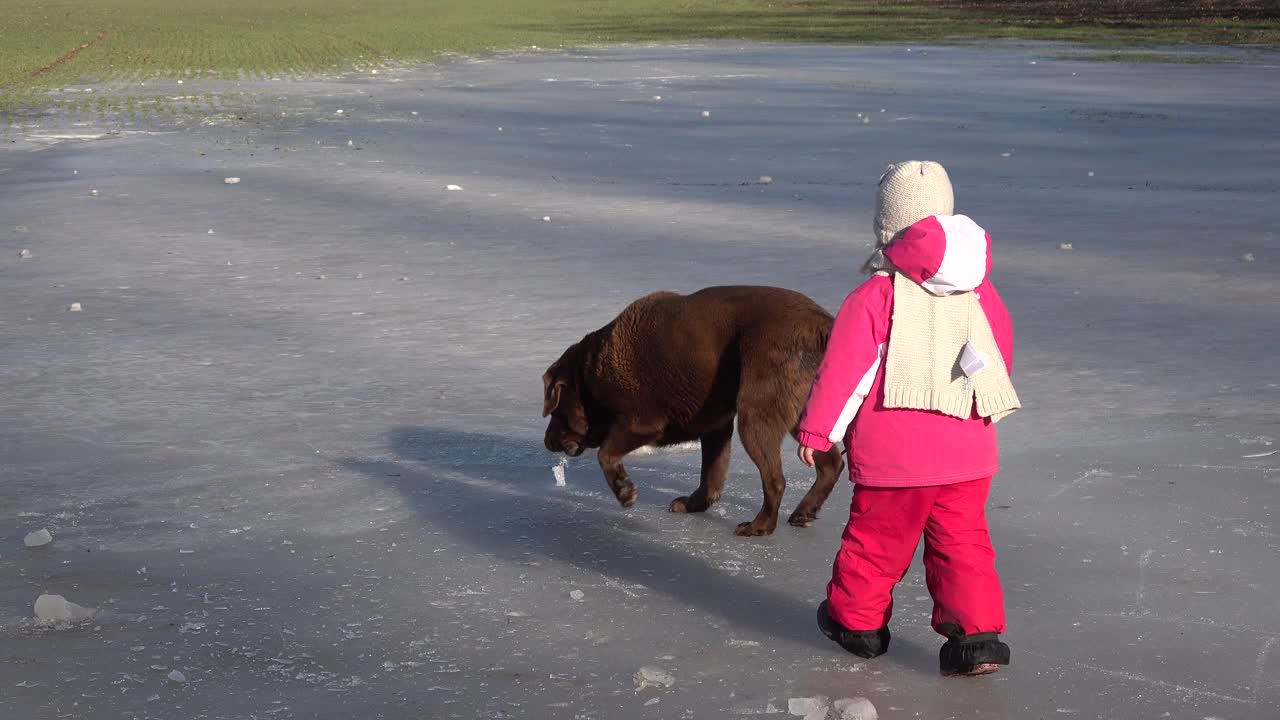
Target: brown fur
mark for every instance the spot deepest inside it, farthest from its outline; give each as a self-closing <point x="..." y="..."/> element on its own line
<point x="673" y="368"/>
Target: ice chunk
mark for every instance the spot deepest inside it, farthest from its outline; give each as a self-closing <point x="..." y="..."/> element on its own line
<point x="24" y="253"/>
<point x="1065" y="246"/>
<point x="558" y="471"/>
<point x="1247" y="257"/>
<point x="452" y="187"/>
<point x="93" y="191"/>
<point x="652" y="701"/>
<point x="74" y="307"/>
<point x="177" y="676"/>
<point x="231" y="180"/>
<point x="38" y="538"/>
<point x="546" y="218"/>
<point x="54" y="609"/>
<point x="577" y="595"/>
<point x="809" y="708"/>
<point x="858" y="708"/>
<point x="765" y="180"/>
<point x="706" y="113"/>
<point x="649" y="676"/>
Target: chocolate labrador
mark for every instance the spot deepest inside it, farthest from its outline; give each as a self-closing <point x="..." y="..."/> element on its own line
<point x="676" y="368"/>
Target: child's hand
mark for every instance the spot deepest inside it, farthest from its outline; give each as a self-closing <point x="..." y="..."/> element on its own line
<point x="806" y="455"/>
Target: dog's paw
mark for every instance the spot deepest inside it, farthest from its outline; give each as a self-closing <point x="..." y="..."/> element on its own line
<point x="627" y="496"/>
<point x="689" y="504"/>
<point x="680" y="505"/>
<point x="804" y="520"/>
<point x="751" y="529"/>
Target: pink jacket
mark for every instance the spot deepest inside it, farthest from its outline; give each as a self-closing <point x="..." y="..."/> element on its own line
<point x="945" y="254"/>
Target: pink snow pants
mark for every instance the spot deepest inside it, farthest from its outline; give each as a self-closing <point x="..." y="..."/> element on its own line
<point x="885" y="525"/>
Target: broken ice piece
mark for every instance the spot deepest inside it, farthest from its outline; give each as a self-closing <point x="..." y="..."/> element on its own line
<point x="53" y="609"/>
<point x="858" y="708"/>
<point x="93" y="191"/>
<point x="706" y="113"/>
<point x="337" y="112"/>
<point x="177" y="676"/>
<point x="558" y="471"/>
<point x="866" y="120"/>
<point x="652" y="701"/>
<point x="765" y="180"/>
<point x="1090" y="173"/>
<point x="546" y="218"/>
<point x="351" y="143"/>
<point x="577" y="595"/>
<point x="38" y="538"/>
<point x="231" y="180"/>
<point x="657" y="97"/>
<point x="452" y="187"/>
<point x="210" y="231"/>
<point x="1247" y="257"/>
<point x="649" y="676"/>
<point x="24" y="253"/>
<point x="1006" y="154"/>
<point x="1065" y="246"/>
<point x="810" y="708"/>
<point x="74" y="307"/>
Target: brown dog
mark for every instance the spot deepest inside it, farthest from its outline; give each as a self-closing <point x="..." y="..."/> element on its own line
<point x="673" y="368"/>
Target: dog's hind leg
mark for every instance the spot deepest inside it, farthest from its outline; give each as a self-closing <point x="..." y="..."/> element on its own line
<point x="716" y="448"/>
<point x="762" y="435"/>
<point x="829" y="465"/>
<point x="620" y="441"/>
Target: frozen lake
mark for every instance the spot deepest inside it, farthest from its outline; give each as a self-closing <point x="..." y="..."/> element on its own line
<point x="290" y="446"/>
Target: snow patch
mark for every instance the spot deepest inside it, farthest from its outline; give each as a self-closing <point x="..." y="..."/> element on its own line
<point x="56" y="610"/>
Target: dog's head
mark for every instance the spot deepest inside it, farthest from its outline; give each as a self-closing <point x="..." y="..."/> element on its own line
<point x="569" y="429"/>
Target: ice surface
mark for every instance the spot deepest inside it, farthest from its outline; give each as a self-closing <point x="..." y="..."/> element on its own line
<point x="400" y="451"/>
<point x="38" y="538"/>
<point x="56" y="609"/>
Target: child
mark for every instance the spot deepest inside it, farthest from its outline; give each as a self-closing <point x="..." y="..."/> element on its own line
<point x="915" y="375"/>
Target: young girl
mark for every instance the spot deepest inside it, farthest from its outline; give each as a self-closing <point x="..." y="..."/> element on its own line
<point x="915" y="376"/>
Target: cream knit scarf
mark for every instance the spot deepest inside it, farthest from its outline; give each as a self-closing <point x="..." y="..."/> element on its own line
<point x="922" y="370"/>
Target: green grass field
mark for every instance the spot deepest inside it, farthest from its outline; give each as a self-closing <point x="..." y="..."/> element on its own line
<point x="50" y="43"/>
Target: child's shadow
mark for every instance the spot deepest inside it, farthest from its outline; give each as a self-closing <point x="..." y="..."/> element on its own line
<point x="480" y="489"/>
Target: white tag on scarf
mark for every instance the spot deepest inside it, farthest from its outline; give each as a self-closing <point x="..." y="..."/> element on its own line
<point x="971" y="361"/>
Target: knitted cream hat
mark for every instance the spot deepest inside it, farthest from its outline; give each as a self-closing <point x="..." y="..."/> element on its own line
<point x="909" y="192"/>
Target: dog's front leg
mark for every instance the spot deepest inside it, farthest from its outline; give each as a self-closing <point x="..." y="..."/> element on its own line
<point x="620" y="441"/>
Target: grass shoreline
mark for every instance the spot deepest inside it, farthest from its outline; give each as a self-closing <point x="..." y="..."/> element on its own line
<point x="57" y="43"/>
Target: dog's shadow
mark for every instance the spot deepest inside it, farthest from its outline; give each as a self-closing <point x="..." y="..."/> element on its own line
<point x="490" y="492"/>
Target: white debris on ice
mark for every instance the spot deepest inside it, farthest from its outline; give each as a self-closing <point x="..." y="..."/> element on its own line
<point x="38" y="538"/>
<point x="452" y="187"/>
<point x="54" y="609"/>
<point x="177" y="676"/>
<point x="765" y="180"/>
<point x="74" y="307"/>
<point x="231" y="180"/>
<point x="858" y="708"/>
<point x="1065" y="246"/>
<point x="24" y="253"/>
<point x="558" y="471"/>
<point x="649" y="676"/>
<point x="1247" y="257"/>
<point x="706" y="113"/>
<point x="577" y="595"/>
<point x="809" y="708"/>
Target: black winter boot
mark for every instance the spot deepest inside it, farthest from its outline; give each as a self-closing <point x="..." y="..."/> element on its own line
<point x="977" y="654"/>
<point x="863" y="643"/>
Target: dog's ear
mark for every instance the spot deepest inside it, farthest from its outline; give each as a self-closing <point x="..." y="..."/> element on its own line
<point x="552" y="386"/>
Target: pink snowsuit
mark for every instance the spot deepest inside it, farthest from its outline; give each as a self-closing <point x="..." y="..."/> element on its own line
<point x="915" y="472"/>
